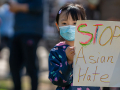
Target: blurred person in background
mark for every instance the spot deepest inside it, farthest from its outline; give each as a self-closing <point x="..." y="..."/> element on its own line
<point x="92" y="9"/>
<point x="6" y="25"/>
<point x="103" y="10"/>
<point x="28" y="29"/>
<point x="110" y="10"/>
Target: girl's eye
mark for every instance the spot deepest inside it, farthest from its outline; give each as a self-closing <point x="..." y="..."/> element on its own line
<point x="64" y="23"/>
<point x="74" y="23"/>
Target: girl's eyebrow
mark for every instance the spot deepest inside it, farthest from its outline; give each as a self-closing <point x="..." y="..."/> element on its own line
<point x="64" y="20"/>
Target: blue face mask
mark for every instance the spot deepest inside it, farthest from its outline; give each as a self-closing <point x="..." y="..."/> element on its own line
<point x="68" y="32"/>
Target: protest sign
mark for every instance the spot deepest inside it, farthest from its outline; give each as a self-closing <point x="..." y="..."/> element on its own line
<point x="97" y="53"/>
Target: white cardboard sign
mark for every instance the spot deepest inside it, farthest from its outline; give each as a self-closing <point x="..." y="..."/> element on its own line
<point x="97" y="54"/>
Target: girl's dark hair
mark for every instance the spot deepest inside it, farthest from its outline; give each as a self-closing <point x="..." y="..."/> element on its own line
<point x="75" y="10"/>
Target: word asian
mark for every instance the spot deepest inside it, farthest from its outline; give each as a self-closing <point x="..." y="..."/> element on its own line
<point x="93" y="60"/>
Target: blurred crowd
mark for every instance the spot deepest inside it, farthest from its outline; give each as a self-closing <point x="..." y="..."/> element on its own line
<point x="23" y="23"/>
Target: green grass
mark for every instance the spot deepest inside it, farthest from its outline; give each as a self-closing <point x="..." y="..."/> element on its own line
<point x="6" y="84"/>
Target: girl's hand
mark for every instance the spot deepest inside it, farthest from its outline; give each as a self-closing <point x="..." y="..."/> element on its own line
<point x="70" y="52"/>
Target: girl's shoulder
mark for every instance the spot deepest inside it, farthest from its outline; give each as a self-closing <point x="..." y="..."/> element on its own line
<point x="59" y="47"/>
<point x="58" y="51"/>
<point x="61" y="43"/>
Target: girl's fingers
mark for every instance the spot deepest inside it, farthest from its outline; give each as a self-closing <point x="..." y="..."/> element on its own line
<point x="68" y="49"/>
<point x="72" y="51"/>
<point x="72" y="48"/>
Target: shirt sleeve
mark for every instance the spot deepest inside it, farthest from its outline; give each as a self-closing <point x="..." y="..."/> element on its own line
<point x="36" y="6"/>
<point x="59" y="70"/>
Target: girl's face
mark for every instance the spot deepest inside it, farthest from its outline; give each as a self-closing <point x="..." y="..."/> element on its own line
<point x="67" y="32"/>
<point x="64" y="21"/>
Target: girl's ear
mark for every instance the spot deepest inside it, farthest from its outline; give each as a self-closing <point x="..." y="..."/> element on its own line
<point x="57" y="26"/>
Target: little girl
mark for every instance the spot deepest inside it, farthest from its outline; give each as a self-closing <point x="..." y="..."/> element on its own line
<point x="61" y="56"/>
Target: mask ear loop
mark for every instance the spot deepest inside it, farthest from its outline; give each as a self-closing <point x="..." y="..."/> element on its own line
<point x="56" y="24"/>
